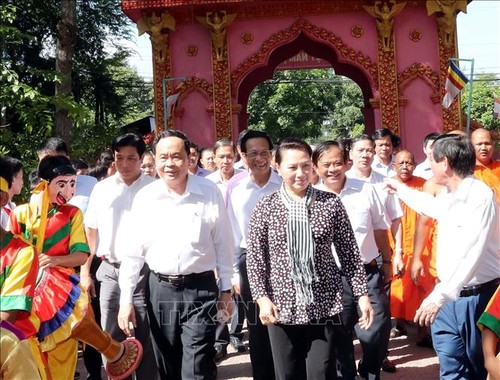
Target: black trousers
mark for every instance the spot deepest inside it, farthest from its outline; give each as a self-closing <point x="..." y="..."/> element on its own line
<point x="304" y="352"/>
<point x="235" y="326"/>
<point x="375" y="340"/>
<point x="183" y="324"/>
<point x="91" y="357"/>
<point x="261" y="355"/>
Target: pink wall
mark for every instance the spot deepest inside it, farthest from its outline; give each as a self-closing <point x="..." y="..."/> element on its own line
<point x="199" y="124"/>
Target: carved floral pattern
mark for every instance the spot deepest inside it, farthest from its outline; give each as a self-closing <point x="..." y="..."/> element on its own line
<point x="423" y="71"/>
<point x="222" y="99"/>
<point x="357" y="31"/>
<point x="344" y="52"/>
<point x="162" y="68"/>
<point x="451" y="117"/>
<point x="388" y="85"/>
<point x="192" y="50"/>
<point x="247" y="38"/>
<point x="415" y="35"/>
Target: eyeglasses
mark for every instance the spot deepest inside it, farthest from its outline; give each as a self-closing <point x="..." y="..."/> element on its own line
<point x="263" y="154"/>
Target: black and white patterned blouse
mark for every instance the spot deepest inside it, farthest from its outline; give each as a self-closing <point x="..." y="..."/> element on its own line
<point x="268" y="263"/>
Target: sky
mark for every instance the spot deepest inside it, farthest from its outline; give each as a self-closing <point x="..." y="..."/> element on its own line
<point x="478" y="39"/>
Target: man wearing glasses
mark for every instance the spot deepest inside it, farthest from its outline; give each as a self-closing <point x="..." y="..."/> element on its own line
<point x="243" y="192"/>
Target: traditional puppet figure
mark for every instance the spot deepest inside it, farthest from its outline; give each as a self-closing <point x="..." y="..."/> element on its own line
<point x="60" y="302"/>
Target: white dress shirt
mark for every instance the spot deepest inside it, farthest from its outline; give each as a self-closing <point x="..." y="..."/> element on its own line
<point x="366" y="213"/>
<point x="424" y="170"/>
<point x="390" y="201"/>
<point x="242" y="196"/>
<point x="381" y="168"/>
<point x="178" y="234"/>
<point x="84" y="186"/>
<point x="468" y="235"/>
<point x="107" y="212"/>
<point x="216" y="178"/>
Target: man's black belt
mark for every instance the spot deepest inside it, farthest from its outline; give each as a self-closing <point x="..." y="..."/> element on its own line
<point x="371" y="265"/>
<point x="474" y="290"/>
<point x="182" y="279"/>
<point x="116" y="265"/>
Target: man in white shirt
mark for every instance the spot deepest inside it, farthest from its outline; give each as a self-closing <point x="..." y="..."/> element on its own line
<point x="105" y="221"/>
<point x="243" y="192"/>
<point x="467" y="256"/>
<point x="423" y="169"/>
<point x="180" y="228"/>
<point x="362" y="154"/>
<point x="382" y="161"/>
<point x="224" y="156"/>
<point x="370" y="224"/>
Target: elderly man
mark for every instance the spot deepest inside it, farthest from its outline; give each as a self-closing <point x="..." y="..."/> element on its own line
<point x="180" y="228"/>
<point x="468" y="243"/>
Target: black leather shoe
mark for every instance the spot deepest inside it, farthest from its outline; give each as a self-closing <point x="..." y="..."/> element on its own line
<point x="220" y="352"/>
<point x="388" y="366"/>
<point x="237" y="344"/>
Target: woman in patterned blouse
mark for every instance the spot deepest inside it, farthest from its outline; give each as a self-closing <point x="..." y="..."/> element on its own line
<point x="292" y="271"/>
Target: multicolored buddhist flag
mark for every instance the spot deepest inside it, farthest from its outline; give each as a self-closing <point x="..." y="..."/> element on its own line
<point x="496" y="108"/>
<point x="455" y="82"/>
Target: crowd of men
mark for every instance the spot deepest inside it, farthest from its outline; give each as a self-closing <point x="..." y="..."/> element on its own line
<point x="168" y="238"/>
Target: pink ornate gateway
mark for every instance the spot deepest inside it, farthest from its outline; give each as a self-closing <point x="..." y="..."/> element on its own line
<point x="396" y="51"/>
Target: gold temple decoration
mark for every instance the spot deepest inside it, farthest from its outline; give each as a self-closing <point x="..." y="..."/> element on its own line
<point x="357" y="31"/>
<point x="384" y="12"/>
<point x="192" y="50"/>
<point x="247" y="38"/>
<point x="415" y="35"/>
<point x="157" y="26"/>
<point x="446" y="13"/>
<point x="218" y="22"/>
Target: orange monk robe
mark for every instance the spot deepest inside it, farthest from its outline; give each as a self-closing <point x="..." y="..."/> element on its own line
<point x="490" y="175"/>
<point x="406" y="297"/>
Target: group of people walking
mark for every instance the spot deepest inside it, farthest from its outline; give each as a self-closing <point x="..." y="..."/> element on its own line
<point x="310" y="246"/>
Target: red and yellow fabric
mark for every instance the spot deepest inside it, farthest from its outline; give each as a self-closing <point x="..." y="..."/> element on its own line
<point x="406" y="297"/>
<point x="18" y="273"/>
<point x="59" y="300"/>
<point x="491" y="315"/>
<point x="490" y="175"/>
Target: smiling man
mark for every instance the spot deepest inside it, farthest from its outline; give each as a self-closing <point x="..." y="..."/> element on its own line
<point x="179" y="227"/>
<point x="105" y="220"/>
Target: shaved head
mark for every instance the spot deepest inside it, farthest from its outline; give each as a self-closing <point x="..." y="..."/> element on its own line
<point x="483" y="146"/>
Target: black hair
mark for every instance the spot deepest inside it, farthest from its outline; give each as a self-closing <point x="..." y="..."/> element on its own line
<point x="33" y="178"/>
<point x="53" y="144"/>
<point x="106" y="159"/>
<point x="51" y="167"/>
<point x="222" y="143"/>
<point x="362" y="137"/>
<point x="252" y="134"/>
<point x="325" y="146"/>
<point x="6" y="170"/>
<point x="99" y="172"/>
<point x="459" y="152"/>
<point x="173" y="133"/>
<point x="430" y="137"/>
<point x="381" y="133"/>
<point x="129" y="139"/>
<point x="291" y="143"/>
<point x="12" y="165"/>
<point x="80" y="164"/>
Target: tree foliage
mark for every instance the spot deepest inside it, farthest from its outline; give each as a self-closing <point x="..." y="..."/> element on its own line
<point x="310" y="104"/>
<point x="106" y="92"/>
<point x="483" y="89"/>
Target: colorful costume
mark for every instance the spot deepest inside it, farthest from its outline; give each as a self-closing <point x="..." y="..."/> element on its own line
<point x="406" y="296"/>
<point x="59" y="301"/>
<point x="491" y="315"/>
<point x="16" y="362"/>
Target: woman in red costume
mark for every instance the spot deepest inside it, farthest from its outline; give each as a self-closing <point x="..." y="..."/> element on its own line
<point x="60" y="303"/>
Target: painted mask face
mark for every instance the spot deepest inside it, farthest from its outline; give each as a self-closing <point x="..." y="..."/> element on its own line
<point x="62" y="189"/>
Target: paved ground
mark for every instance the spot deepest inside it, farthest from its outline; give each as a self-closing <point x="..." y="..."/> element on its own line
<point x="412" y="362"/>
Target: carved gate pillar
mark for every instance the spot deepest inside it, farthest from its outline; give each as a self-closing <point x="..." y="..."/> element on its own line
<point x="218" y="22"/>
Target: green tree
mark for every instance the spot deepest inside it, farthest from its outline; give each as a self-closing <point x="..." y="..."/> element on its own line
<point x="311" y="104"/>
<point x="483" y="90"/>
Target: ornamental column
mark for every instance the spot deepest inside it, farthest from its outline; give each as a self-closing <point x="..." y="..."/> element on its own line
<point x="217" y="22"/>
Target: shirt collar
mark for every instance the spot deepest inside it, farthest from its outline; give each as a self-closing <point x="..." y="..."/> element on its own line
<point x="463" y="189"/>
